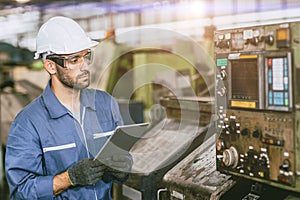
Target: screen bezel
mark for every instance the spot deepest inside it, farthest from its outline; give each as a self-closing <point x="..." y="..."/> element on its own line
<point x="259" y="103"/>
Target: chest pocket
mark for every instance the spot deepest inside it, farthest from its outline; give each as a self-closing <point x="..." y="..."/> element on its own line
<point x="95" y="123"/>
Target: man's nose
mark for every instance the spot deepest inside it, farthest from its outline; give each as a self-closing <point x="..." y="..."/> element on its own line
<point x="85" y="65"/>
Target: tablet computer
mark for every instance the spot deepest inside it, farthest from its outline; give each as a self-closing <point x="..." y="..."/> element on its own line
<point x="121" y="140"/>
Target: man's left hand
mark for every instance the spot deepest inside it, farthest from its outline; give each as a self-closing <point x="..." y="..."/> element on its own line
<point x="119" y="166"/>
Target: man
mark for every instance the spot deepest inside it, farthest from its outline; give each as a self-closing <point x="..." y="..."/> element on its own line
<point x="50" y="147"/>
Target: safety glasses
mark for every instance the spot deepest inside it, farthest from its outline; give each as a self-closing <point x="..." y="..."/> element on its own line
<point x="73" y="60"/>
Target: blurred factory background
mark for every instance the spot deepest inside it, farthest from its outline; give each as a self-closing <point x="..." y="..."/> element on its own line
<point x="164" y="60"/>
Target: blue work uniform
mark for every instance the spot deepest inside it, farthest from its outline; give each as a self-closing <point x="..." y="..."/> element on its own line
<point x="45" y="139"/>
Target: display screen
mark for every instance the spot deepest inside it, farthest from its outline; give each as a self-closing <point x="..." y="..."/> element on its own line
<point x="244" y="74"/>
<point x="278" y="81"/>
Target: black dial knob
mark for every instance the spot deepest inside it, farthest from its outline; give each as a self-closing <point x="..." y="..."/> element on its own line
<point x="224" y="44"/>
<point x="269" y="39"/>
<point x="228" y="44"/>
<point x="223" y="75"/>
<point x="232" y="126"/>
<point x="256" y="133"/>
<point x="263" y="161"/>
<point x="245" y="131"/>
<point x="255" y="41"/>
<point x="285" y="165"/>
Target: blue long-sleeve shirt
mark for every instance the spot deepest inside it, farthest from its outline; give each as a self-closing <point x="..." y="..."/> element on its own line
<point x="45" y="140"/>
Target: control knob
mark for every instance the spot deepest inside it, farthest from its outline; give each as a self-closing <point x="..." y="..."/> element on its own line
<point x="255" y="41"/>
<point x="230" y="157"/>
<point x="222" y="91"/>
<point x="223" y="74"/>
<point x="245" y="131"/>
<point x="285" y="165"/>
<point x="269" y="39"/>
<point x="263" y="160"/>
<point x="223" y="44"/>
<point x="256" y="133"/>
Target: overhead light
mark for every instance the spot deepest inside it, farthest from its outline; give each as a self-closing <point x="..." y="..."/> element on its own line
<point x="22" y="1"/>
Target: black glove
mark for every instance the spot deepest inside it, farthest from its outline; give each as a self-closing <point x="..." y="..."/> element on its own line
<point x="86" y="172"/>
<point x="119" y="166"/>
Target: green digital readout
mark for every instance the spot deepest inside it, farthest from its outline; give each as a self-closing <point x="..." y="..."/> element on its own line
<point x="221" y="62"/>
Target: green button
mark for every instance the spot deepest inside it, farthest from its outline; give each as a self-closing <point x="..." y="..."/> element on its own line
<point x="286" y="102"/>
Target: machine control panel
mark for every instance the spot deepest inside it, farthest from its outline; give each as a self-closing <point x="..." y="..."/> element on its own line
<point x="257" y="103"/>
<point x="253" y="38"/>
<point x="258" y="145"/>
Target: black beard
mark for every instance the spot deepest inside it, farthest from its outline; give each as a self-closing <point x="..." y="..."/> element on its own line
<point x="68" y="81"/>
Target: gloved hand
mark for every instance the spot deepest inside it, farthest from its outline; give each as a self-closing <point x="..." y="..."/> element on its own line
<point x="119" y="166"/>
<point x="86" y="172"/>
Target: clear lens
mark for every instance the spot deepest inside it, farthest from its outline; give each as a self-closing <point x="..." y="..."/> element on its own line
<point x="73" y="60"/>
<point x="77" y="60"/>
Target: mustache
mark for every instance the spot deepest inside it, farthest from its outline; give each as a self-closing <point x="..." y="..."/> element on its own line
<point x="84" y="73"/>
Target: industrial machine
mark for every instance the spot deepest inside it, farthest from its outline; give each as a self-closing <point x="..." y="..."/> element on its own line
<point x="257" y="120"/>
<point x="258" y="74"/>
<point x="184" y="126"/>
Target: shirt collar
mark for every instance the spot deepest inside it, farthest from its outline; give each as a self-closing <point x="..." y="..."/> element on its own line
<point x="56" y="109"/>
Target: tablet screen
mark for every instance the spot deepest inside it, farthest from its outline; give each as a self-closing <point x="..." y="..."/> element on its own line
<point x="122" y="140"/>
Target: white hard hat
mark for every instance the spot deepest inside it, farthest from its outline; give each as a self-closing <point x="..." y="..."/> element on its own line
<point x="61" y="35"/>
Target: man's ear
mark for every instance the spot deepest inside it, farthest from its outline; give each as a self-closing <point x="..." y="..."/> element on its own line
<point x="50" y="66"/>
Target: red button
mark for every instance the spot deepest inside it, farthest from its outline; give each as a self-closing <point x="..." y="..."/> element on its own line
<point x="269" y="62"/>
<point x="283" y="179"/>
